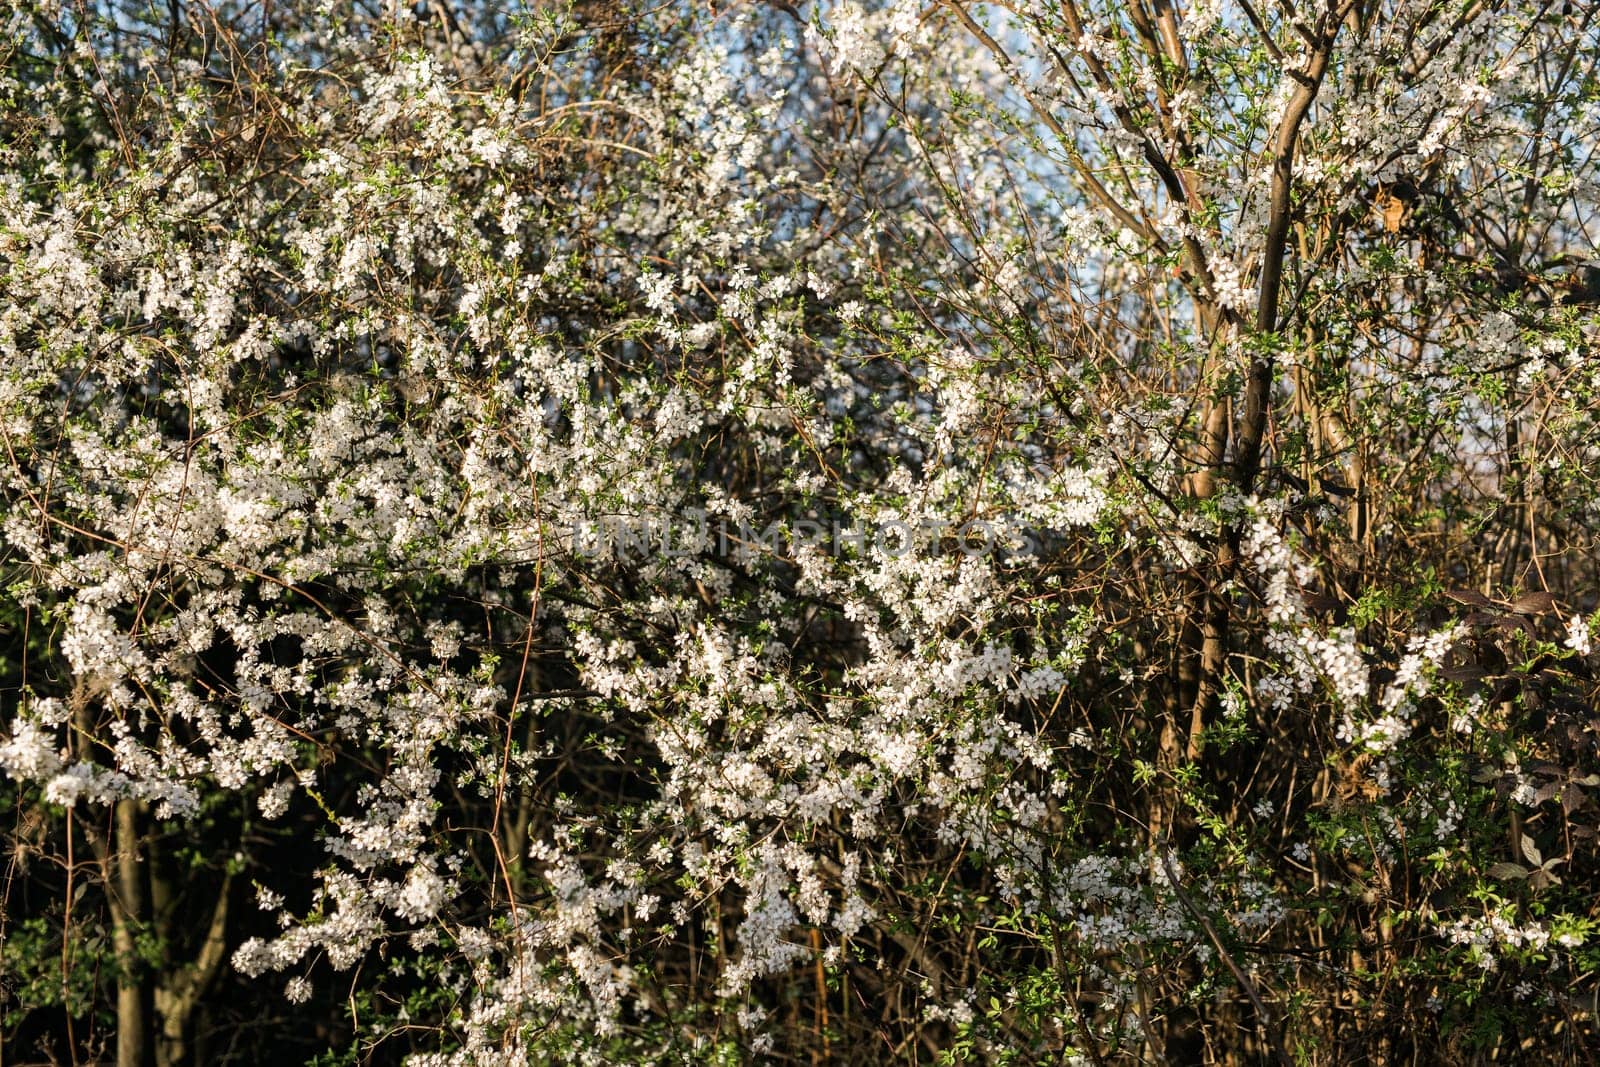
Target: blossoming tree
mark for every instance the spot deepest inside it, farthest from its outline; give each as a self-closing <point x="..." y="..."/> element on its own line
<point x="833" y="533"/>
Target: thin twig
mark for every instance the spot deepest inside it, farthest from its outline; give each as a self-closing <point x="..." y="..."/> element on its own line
<point x="1274" y="1039"/>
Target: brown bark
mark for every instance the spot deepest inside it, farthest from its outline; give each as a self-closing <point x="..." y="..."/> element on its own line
<point x="182" y="989"/>
<point x="128" y="912"/>
<point x="1211" y="605"/>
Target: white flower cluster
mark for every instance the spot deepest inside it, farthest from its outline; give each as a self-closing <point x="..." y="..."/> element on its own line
<point x="1485" y="936"/>
<point x="1580" y="634"/>
<point x="1303" y="653"/>
<point x="296" y="446"/>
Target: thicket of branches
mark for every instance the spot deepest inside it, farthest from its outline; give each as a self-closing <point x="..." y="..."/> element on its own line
<point x="611" y="533"/>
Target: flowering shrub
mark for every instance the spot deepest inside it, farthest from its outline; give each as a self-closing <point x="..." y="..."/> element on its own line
<point x="419" y="644"/>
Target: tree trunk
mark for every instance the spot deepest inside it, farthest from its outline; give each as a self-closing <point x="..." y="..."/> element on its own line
<point x="182" y="989"/>
<point x="128" y="906"/>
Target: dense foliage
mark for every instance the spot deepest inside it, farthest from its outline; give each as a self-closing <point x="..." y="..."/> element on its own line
<point x="660" y="534"/>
